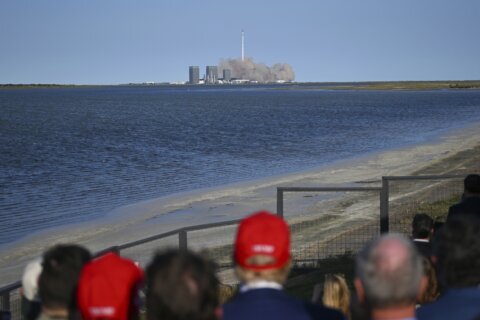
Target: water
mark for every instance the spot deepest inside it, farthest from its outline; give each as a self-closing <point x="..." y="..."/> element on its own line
<point x="72" y="155"/>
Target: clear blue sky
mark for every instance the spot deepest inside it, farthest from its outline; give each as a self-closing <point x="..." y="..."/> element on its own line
<point x="118" y="41"/>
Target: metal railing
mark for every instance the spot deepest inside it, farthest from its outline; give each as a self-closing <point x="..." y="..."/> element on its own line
<point x="308" y="244"/>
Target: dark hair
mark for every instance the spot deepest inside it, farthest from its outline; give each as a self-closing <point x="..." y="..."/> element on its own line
<point x="437" y="226"/>
<point x="457" y="249"/>
<point x="422" y="226"/>
<point x="61" y="269"/>
<point x="472" y="183"/>
<point x="181" y="285"/>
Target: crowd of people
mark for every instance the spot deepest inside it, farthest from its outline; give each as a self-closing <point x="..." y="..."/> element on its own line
<point x="435" y="274"/>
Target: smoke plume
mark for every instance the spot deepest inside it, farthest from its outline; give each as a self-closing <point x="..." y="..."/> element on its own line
<point x="250" y="70"/>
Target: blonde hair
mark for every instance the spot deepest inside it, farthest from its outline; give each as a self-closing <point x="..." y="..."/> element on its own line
<point x="336" y="294"/>
<point x="432" y="291"/>
<point x="225" y="293"/>
<point x="276" y="275"/>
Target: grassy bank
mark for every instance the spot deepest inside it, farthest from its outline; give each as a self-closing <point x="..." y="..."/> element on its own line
<point x="411" y="85"/>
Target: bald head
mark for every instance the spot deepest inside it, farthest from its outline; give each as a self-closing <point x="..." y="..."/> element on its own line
<point x="391" y="254"/>
<point x="389" y="269"/>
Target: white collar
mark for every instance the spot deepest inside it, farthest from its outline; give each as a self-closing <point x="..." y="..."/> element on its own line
<point x="421" y="240"/>
<point x="260" y="285"/>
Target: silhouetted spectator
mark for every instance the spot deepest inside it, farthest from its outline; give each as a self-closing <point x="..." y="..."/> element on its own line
<point x="437" y="226"/>
<point x="5" y="315"/>
<point x="422" y="231"/>
<point x="58" y="280"/>
<point x="262" y="258"/>
<point x="470" y="203"/>
<point x="457" y="256"/>
<point x="182" y="285"/>
<point x="108" y="288"/>
<point x="389" y="277"/>
<point x="358" y="310"/>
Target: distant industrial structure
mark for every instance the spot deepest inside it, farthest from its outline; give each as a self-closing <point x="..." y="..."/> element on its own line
<point x="211" y="75"/>
<point x="227" y="75"/>
<point x="194" y="74"/>
<point x="239" y="71"/>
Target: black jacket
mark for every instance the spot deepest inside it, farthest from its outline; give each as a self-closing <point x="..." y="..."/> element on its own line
<point x="469" y="205"/>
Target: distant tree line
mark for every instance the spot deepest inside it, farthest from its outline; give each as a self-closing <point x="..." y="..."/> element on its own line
<point x="34" y="85"/>
<point x="465" y="85"/>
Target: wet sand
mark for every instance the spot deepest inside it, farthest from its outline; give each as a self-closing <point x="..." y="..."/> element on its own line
<point x="234" y="201"/>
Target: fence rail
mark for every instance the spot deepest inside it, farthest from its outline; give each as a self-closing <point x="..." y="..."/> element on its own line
<point x="302" y="251"/>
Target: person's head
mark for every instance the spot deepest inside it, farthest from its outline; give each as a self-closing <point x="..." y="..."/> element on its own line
<point x="389" y="272"/>
<point x="31" y="306"/>
<point x="58" y="280"/>
<point x="471" y="184"/>
<point x="456" y="250"/>
<point x="432" y="290"/>
<point x="181" y="285"/>
<point x="336" y="294"/>
<point x="262" y="248"/>
<point x="108" y="288"/>
<point x="422" y="226"/>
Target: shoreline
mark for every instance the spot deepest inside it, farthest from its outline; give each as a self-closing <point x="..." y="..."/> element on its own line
<point x="140" y="220"/>
<point x="349" y="85"/>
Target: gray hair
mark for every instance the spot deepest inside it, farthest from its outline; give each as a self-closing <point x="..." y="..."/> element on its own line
<point x="390" y="269"/>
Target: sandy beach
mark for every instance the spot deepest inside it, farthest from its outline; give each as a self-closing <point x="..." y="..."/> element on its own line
<point x="234" y="201"/>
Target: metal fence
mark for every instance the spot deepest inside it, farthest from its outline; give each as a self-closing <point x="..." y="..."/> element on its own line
<point x="408" y="195"/>
<point x="325" y="222"/>
<point x="331" y="230"/>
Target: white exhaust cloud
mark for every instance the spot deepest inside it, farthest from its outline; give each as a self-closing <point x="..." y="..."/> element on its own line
<point x="253" y="71"/>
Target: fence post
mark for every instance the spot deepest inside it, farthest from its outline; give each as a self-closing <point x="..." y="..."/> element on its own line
<point x="5" y="301"/>
<point x="280" y="202"/>
<point x="384" y="224"/>
<point x="182" y="240"/>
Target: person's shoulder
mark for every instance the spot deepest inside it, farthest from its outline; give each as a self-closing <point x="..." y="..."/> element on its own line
<point x="440" y="309"/>
<point x="427" y="310"/>
<point x="43" y="316"/>
<point x="453" y="304"/>
<point x="454" y="207"/>
<point x="261" y="304"/>
<point x="468" y="206"/>
<point x="425" y="248"/>
<point x="319" y="312"/>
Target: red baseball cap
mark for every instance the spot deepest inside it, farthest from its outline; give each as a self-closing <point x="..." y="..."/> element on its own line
<point x="108" y="287"/>
<point x="265" y="234"/>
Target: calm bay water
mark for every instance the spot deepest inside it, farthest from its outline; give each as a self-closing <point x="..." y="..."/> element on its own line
<point x="71" y="155"/>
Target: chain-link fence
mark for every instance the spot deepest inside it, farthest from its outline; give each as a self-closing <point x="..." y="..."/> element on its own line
<point x="338" y="225"/>
<point x="410" y="195"/>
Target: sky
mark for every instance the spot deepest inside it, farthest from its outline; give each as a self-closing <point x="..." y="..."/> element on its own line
<point x="119" y="41"/>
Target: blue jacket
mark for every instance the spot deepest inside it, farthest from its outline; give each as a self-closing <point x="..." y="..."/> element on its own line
<point x="454" y="304"/>
<point x="274" y="304"/>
